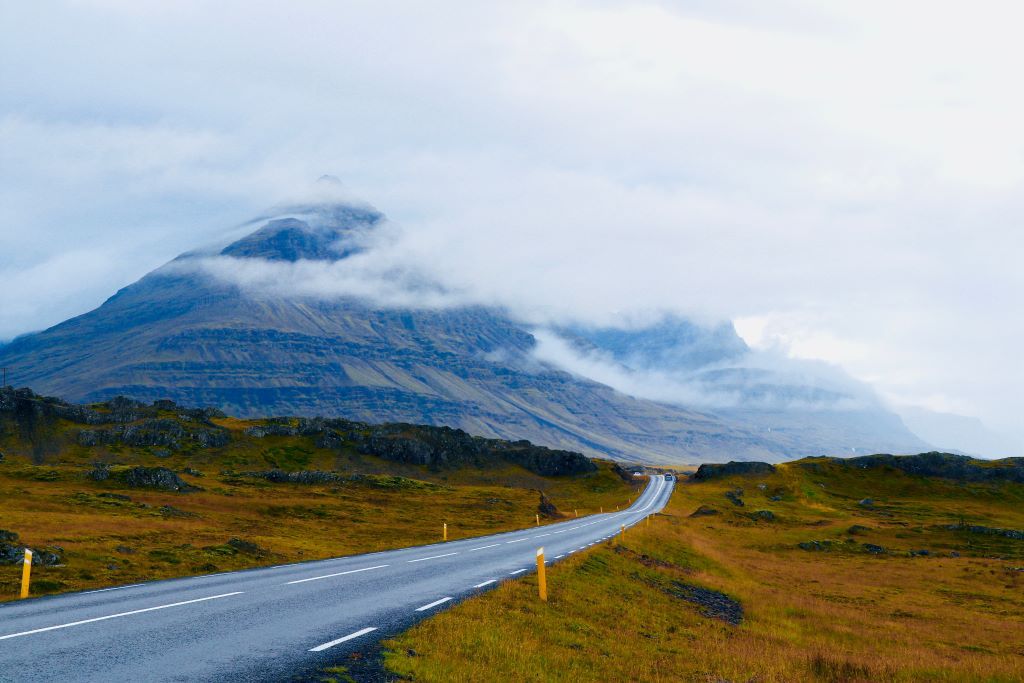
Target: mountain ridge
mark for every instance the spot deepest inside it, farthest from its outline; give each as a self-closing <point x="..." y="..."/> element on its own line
<point x="180" y="333"/>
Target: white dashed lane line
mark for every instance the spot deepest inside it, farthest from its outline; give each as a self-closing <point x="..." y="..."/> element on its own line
<point x="484" y="547"/>
<point x="433" y="604"/>
<point x="339" y="641"/>
<point x="518" y="540"/>
<point x="328" y="576"/>
<point x="432" y="557"/>
<point x="485" y="583"/>
<point x="116" y="588"/>
<point x="518" y="571"/>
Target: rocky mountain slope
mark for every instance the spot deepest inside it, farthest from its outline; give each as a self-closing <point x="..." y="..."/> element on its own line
<point x="187" y="334"/>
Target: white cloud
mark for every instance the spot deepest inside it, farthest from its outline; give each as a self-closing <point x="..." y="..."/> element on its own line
<point x="848" y="173"/>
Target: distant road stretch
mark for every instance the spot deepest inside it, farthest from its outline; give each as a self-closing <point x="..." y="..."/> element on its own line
<point x="267" y="624"/>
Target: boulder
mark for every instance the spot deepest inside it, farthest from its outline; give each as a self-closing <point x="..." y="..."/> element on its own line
<point x="704" y="511"/>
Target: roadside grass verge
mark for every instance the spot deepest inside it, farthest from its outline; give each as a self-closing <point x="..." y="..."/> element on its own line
<point x="642" y="610"/>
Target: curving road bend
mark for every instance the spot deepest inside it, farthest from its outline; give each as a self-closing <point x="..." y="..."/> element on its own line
<point x="267" y="624"/>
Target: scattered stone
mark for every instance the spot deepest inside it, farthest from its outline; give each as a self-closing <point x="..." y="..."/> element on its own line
<point x="866" y="503"/>
<point x="775" y="499"/>
<point x="857" y="529"/>
<point x="713" y="604"/>
<point x="247" y="547"/>
<point x="704" y="511"/>
<point x="986" y="530"/>
<point x="763" y="487"/>
<point x="124" y="550"/>
<point x="192" y="472"/>
<point x="873" y="549"/>
<point x="920" y="553"/>
<point x="954" y="554"/>
<point x="818" y="546"/>
<point x="161" y="453"/>
<point x="766" y="515"/>
<point x="734" y="497"/>
<point x="114" y="496"/>
<point x="169" y="511"/>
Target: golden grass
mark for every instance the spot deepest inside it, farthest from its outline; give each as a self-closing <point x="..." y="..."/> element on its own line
<point x="841" y="615"/>
<point x="109" y="541"/>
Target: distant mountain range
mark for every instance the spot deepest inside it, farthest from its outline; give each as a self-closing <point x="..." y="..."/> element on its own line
<point x="185" y="333"/>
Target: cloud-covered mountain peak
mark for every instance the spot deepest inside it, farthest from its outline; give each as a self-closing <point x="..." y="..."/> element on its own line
<point x="316" y="232"/>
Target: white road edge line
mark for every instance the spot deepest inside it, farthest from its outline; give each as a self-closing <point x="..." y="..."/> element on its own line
<point x="484" y="547"/>
<point x="485" y="583"/>
<point x="433" y="604"/>
<point x="518" y="571"/>
<point x="119" y="614"/>
<point x="327" y="576"/>
<point x="558" y="557"/>
<point x="432" y="557"/>
<point x="339" y="641"/>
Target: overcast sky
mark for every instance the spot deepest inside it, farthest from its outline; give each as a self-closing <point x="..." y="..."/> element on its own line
<point x="844" y="183"/>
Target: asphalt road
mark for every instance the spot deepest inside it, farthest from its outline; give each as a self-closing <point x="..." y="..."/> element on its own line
<point x="267" y="624"/>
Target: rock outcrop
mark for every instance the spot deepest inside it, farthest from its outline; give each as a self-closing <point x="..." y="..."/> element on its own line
<point x="709" y="471"/>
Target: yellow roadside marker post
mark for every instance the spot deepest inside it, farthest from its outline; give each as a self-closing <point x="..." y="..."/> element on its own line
<point x="26" y="573"/>
<point x="538" y="519"/>
<point x="602" y="509"/>
<point x="623" y="533"/>
<point x="576" y="512"/>
<point x="446" y="531"/>
<point x="542" y="580"/>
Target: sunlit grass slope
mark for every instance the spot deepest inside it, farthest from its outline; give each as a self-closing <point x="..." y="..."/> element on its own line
<point x="840" y="610"/>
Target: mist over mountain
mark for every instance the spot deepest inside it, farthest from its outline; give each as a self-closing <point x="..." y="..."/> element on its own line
<point x="306" y="315"/>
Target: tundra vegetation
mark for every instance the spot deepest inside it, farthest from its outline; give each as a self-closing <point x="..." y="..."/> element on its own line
<point x="870" y="570"/>
<point x="121" y="492"/>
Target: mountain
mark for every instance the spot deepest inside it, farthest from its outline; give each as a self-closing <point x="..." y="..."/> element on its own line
<point x="194" y="333"/>
<point x="805" y="407"/>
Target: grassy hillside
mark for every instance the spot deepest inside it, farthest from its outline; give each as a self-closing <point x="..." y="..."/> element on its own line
<point x="119" y="492"/>
<point x="827" y="587"/>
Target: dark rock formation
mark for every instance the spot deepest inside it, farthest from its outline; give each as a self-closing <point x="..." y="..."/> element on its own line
<point x="735" y="497"/>
<point x="13" y="553"/>
<point x="712" y="604"/>
<point x="709" y="471"/>
<point x="944" y="465"/>
<point x="143" y="477"/>
<point x="546" y="508"/>
<point x="155" y="432"/>
<point x="763" y="515"/>
<point x="704" y="511"/>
